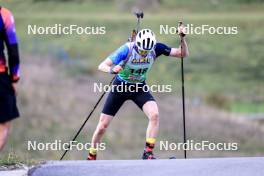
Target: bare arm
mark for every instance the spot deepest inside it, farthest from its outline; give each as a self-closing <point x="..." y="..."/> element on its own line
<point x="181" y="52"/>
<point x="106" y="66"/>
<point x="176" y="52"/>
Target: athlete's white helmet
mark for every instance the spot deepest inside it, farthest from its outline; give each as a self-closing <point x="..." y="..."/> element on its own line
<point x="145" y="40"/>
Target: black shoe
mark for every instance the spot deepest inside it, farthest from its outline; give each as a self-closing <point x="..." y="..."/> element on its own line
<point x="148" y="154"/>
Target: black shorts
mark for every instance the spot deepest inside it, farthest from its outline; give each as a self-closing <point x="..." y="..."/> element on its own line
<point x="116" y="98"/>
<point x="8" y="107"/>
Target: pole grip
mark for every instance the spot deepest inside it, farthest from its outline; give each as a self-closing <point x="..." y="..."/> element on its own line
<point x="179" y="24"/>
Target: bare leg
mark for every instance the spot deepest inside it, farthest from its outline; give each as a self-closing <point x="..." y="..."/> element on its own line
<point x="101" y="128"/>
<point x="4" y="130"/>
<point x="150" y="108"/>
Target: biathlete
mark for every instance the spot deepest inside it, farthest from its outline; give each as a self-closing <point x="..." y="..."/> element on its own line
<point x="9" y="73"/>
<point x="131" y="62"/>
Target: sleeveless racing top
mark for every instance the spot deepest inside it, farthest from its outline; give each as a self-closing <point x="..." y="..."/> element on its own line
<point x="137" y="66"/>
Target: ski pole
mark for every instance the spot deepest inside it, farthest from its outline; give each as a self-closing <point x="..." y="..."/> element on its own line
<point x="139" y="14"/>
<point x="183" y="95"/>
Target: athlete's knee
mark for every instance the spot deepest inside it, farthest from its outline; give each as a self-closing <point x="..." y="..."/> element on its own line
<point x="4" y="127"/>
<point x="102" y="128"/>
<point x="154" y="117"/>
<point x="103" y="124"/>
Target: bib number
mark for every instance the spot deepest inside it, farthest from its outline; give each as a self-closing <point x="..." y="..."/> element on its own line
<point x="140" y="71"/>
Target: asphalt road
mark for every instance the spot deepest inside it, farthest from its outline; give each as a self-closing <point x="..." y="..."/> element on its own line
<point x="179" y="167"/>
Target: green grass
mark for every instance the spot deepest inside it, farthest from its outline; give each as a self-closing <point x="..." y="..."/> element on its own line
<point x="247" y="107"/>
<point x="225" y="70"/>
<point x="13" y="159"/>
